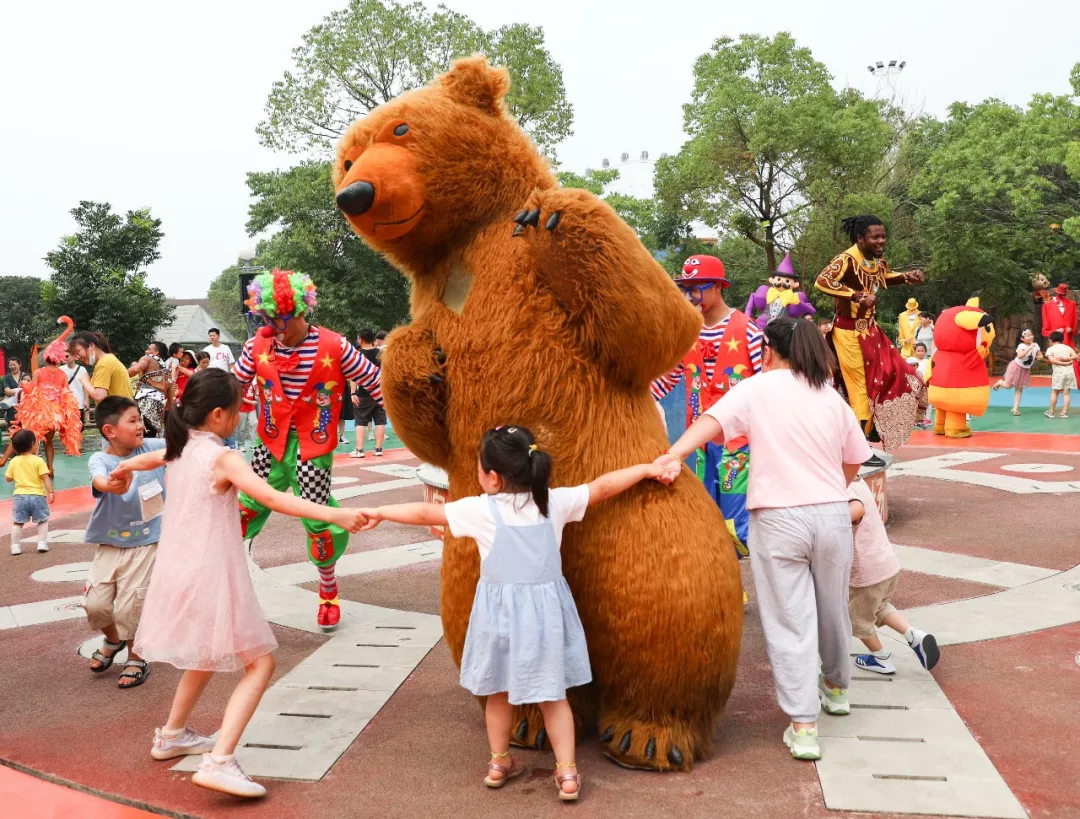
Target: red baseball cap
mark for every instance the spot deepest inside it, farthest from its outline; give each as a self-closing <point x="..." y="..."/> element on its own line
<point x="702" y="270"/>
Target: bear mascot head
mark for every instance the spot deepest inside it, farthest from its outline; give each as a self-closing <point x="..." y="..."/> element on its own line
<point x="537" y="306"/>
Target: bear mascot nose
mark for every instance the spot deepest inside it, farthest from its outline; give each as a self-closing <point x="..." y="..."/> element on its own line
<point x="356" y="198"/>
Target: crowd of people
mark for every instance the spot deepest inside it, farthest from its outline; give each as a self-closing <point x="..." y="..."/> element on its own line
<point x="821" y="560"/>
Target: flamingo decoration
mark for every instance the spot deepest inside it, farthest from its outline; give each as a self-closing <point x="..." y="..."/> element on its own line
<point x="57" y="350"/>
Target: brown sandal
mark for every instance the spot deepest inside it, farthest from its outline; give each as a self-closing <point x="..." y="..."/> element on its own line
<point x="515" y="769"/>
<point x="567" y="777"/>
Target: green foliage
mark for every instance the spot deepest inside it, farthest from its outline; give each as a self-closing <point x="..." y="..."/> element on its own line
<point x="642" y="215"/>
<point x="20" y="315"/>
<point x="373" y="50"/>
<point x="357" y="287"/>
<point x="992" y="197"/>
<point x="770" y="139"/>
<point x="224" y="298"/>
<point x="99" y="277"/>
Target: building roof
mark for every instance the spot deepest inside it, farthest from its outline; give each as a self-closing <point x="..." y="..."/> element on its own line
<point x="191" y="323"/>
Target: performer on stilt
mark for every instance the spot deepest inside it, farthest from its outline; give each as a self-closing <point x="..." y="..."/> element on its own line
<point x="728" y="351"/>
<point x="885" y="392"/>
<point x="300" y="370"/>
<point x="49" y="405"/>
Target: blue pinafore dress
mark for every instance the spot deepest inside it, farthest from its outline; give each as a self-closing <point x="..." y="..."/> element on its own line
<point x="525" y="636"/>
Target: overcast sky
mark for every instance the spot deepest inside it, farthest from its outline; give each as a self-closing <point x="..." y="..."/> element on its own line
<point x="155" y="103"/>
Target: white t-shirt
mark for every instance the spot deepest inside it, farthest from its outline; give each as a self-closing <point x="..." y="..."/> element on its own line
<point x="925" y="335"/>
<point x="221" y="357"/>
<point x="471" y="517"/>
<point x="1028" y="351"/>
<point x="74" y="383"/>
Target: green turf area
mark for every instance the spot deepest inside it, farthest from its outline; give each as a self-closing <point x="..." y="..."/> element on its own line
<point x="1031" y="420"/>
<point x="74" y="472"/>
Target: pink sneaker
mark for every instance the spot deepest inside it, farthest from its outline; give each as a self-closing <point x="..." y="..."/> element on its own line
<point x="188" y="742"/>
<point x="226" y="777"/>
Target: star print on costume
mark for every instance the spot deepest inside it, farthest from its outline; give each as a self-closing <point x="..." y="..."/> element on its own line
<point x="733" y="345"/>
<point x="305" y="407"/>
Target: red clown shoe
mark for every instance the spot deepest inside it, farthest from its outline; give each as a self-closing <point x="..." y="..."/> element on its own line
<point x="329" y="611"/>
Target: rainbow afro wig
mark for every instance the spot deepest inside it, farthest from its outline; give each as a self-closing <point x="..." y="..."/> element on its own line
<point x="281" y="293"/>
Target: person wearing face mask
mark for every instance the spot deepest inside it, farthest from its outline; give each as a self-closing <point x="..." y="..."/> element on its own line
<point x="728" y="351"/>
<point x="884" y="391"/>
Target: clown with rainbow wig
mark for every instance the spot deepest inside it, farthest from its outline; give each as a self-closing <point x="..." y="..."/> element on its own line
<point x="300" y="372"/>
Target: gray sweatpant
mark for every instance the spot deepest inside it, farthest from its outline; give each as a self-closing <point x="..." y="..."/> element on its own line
<point x="801" y="560"/>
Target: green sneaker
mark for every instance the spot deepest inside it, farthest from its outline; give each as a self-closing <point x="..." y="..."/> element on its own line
<point x="833" y="700"/>
<point x="803" y="744"/>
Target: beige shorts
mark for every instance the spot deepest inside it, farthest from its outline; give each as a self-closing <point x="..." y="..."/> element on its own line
<point x="870" y="605"/>
<point x="1063" y="378"/>
<point x="117" y="586"/>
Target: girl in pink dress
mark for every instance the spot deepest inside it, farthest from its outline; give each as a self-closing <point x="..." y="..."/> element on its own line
<point x="201" y="613"/>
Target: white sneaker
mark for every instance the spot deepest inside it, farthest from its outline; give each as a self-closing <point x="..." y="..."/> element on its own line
<point x="803" y="744"/>
<point x="926" y="648"/>
<point x="188" y="742"/>
<point x="42" y="546"/>
<point x="833" y="700"/>
<point x="227" y="777"/>
<point x="16" y="549"/>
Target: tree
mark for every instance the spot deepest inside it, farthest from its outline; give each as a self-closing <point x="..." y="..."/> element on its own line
<point x="99" y="277"/>
<point x="641" y="214"/>
<point x="373" y="50"/>
<point x="20" y="315"/>
<point x="769" y="139"/>
<point x="992" y="197"/>
<point x="357" y="287"/>
<point x="224" y="298"/>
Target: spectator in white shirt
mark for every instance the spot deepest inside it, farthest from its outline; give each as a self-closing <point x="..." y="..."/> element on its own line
<point x="221" y="357"/>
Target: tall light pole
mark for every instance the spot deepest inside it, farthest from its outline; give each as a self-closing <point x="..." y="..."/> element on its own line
<point x="248" y="271"/>
<point x="888" y="78"/>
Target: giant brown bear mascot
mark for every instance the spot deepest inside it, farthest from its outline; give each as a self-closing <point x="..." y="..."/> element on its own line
<point x="536" y="305"/>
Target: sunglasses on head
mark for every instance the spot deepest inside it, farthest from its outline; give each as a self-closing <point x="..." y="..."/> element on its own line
<point x="694" y="292"/>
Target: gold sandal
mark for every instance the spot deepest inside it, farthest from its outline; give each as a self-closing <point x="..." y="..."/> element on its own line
<point x="567" y="777"/>
<point x="515" y="769"/>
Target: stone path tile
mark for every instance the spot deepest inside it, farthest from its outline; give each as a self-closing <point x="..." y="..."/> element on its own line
<point x="942" y="468"/>
<point x="904" y="749"/>
<point x="347" y="492"/>
<point x="45" y="611"/>
<point x="963" y="567"/>
<point x="393" y="557"/>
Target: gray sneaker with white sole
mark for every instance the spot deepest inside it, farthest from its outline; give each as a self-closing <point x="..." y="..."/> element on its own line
<point x="187" y="743"/>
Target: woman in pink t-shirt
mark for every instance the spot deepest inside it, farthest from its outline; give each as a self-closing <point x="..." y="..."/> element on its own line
<point x="807" y="447"/>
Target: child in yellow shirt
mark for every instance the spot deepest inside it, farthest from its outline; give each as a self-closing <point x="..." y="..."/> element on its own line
<point x="33" y="491"/>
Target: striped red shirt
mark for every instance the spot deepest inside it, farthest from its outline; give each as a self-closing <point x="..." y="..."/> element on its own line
<point x="666" y="383"/>
<point x="354" y="366"/>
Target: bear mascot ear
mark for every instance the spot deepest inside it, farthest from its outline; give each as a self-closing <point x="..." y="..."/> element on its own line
<point x="473" y="82"/>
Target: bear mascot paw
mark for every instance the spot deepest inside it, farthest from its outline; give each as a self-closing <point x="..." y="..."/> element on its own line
<point x="536" y="305"/>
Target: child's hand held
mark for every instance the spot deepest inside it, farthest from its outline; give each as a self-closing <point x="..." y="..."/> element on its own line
<point x="373" y="519"/>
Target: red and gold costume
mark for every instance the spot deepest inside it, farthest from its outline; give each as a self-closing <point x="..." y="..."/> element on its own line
<point x="885" y="392"/>
<point x="959" y="382"/>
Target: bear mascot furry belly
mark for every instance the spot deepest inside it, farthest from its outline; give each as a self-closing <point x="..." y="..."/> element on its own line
<point x="536" y="305"/>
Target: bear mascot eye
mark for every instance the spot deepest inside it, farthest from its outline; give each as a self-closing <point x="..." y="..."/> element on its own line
<point x="348" y="165"/>
<point x="401" y="130"/>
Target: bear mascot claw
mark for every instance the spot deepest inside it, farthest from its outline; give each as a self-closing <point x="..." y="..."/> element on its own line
<point x="536" y="305"/>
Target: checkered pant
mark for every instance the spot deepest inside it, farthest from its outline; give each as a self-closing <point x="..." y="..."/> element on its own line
<point x="314" y="482"/>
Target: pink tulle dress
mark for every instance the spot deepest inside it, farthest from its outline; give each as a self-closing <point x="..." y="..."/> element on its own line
<point x="201" y="611"/>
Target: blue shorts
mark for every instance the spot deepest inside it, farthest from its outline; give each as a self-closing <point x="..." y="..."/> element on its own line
<point x="30" y="506"/>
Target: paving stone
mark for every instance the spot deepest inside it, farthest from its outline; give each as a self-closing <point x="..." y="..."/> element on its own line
<point x="842" y="756"/>
<point x="48" y="611"/>
<point x="961" y="797"/>
<point x="67" y="536"/>
<point x="915" y="724"/>
<point x="382" y="678"/>
<point x="372" y="488"/>
<point x="901" y="693"/>
<point x="62" y="573"/>
<point x="397" y="470"/>
<point x="964" y="567"/>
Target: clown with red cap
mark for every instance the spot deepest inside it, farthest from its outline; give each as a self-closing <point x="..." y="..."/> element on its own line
<point x="300" y="370"/>
<point x="728" y="350"/>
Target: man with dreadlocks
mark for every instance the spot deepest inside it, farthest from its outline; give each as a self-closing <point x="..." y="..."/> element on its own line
<point x="882" y="388"/>
<point x="300" y="370"/>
